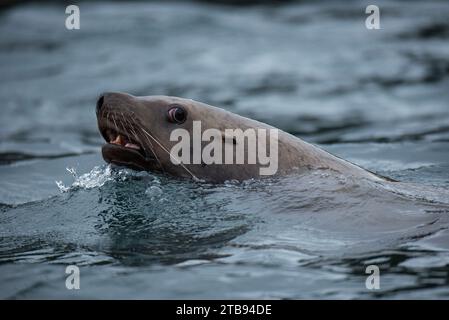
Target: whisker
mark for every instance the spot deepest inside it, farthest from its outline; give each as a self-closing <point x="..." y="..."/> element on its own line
<point x="171" y="156"/>
<point x="124" y="129"/>
<point x="131" y="128"/>
<point x="137" y="139"/>
<point x="150" y="145"/>
<point x="107" y="117"/>
<point x="115" y="123"/>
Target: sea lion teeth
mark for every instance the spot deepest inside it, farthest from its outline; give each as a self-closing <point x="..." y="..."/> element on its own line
<point x="118" y="140"/>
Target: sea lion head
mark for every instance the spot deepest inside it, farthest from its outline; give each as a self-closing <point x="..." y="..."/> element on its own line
<point x="137" y="132"/>
<point x="141" y="133"/>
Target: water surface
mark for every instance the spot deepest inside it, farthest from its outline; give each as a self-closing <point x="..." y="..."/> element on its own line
<point x="377" y="98"/>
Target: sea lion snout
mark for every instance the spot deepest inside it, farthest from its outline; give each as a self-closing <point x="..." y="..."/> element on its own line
<point x="119" y="122"/>
<point x="113" y="100"/>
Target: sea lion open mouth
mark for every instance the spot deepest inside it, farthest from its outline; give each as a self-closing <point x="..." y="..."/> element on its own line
<point x="120" y="149"/>
<point x="123" y="141"/>
<point x="124" y="145"/>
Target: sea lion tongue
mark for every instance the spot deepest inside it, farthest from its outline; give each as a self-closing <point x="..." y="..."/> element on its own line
<point x="132" y="146"/>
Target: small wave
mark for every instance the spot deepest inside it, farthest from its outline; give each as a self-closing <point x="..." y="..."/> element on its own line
<point x="97" y="177"/>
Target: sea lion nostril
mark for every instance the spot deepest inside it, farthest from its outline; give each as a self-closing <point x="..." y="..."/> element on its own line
<point x="100" y="102"/>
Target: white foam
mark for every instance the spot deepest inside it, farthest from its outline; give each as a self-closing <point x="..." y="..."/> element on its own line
<point x="97" y="177"/>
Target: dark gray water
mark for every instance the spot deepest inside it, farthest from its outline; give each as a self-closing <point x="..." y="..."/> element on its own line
<point x="378" y="98"/>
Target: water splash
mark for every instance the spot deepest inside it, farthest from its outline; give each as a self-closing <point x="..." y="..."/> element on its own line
<point x="97" y="177"/>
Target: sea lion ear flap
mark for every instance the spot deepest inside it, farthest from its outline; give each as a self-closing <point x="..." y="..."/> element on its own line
<point x="228" y="138"/>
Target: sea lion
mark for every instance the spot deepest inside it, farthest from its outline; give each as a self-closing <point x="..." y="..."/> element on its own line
<point x="137" y="131"/>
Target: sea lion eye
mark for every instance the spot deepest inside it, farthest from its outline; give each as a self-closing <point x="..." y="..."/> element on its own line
<point x="177" y="114"/>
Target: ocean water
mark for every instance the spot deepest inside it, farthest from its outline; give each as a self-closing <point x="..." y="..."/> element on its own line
<point x="378" y="98"/>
